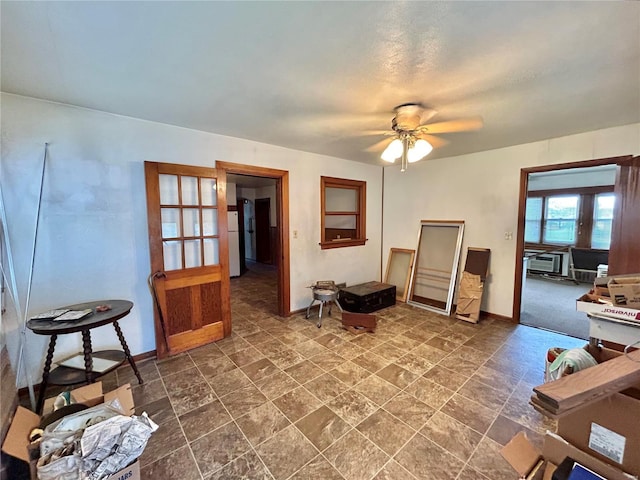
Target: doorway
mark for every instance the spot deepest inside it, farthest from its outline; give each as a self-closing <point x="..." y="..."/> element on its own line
<point x="278" y="234"/>
<point x="530" y="291"/>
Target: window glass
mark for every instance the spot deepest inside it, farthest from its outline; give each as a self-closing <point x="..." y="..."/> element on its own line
<point x="170" y="222"/>
<point x="192" y="253"/>
<point x="533" y="216"/>
<point x="168" y="189"/>
<point x="189" y="190"/>
<point x="208" y="191"/>
<point x="211" y="251"/>
<point x="602" y="220"/>
<point x="191" y="222"/>
<point x="172" y="254"/>
<point x="561" y="219"/>
<point x="341" y="221"/>
<point x="341" y="199"/>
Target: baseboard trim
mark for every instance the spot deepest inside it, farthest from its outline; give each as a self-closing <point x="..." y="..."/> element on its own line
<point x="495" y="316"/>
<point x="483" y="315"/>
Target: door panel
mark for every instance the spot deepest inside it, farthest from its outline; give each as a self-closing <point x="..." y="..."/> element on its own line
<point x="188" y="241"/>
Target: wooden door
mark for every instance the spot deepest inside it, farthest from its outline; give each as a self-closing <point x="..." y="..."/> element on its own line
<point x="186" y="209"/>
<point x="263" y="235"/>
<point x="624" y="253"/>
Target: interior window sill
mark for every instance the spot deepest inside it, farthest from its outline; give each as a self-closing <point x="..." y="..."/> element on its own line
<point x="342" y="243"/>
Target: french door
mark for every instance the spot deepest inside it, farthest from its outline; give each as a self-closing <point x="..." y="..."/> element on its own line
<point x="188" y="243"/>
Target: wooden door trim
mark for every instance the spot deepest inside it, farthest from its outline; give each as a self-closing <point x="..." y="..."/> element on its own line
<point x="522" y="203"/>
<point x="282" y="212"/>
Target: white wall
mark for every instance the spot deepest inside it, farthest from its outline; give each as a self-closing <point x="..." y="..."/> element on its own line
<point x="483" y="190"/>
<point x="93" y="240"/>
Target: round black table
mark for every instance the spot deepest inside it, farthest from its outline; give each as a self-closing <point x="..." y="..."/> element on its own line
<point x="71" y="376"/>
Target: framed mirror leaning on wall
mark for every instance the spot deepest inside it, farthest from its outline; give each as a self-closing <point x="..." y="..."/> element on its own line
<point x="435" y="268"/>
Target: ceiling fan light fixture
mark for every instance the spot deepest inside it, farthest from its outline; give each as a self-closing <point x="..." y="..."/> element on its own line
<point x="420" y="149"/>
<point x="393" y="151"/>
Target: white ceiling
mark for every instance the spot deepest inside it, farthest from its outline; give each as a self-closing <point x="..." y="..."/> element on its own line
<point x="306" y="75"/>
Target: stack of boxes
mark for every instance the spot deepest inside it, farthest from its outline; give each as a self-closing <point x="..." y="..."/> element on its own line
<point x="17" y="442"/>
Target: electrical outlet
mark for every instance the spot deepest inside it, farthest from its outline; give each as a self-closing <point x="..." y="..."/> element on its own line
<point x="508" y="235"/>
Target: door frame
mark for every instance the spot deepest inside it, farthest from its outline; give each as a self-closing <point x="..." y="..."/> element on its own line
<point x="282" y="219"/>
<point x="522" y="203"/>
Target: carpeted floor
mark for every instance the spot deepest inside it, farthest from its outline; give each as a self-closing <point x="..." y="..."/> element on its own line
<point x="551" y="304"/>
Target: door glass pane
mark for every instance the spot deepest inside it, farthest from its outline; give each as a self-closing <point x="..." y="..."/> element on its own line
<point x="191" y="222"/>
<point x="172" y="253"/>
<point x="533" y="220"/>
<point x="189" y="190"/>
<point x="602" y="220"/>
<point x="340" y="200"/>
<point x="168" y="189"/>
<point x="561" y="219"/>
<point x="192" y="253"/>
<point x="209" y="221"/>
<point x="170" y="222"/>
<point x="211" y="251"/>
<point x="208" y="191"/>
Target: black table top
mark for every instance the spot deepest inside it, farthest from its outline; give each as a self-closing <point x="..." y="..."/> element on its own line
<point x="119" y="309"/>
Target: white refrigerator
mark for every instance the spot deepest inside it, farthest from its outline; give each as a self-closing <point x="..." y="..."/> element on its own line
<point x="234" y="244"/>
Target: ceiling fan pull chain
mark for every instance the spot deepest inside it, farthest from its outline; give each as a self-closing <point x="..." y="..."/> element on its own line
<point x="405" y="152"/>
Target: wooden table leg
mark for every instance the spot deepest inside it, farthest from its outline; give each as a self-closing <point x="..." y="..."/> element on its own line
<point x="88" y="360"/>
<point x="45" y="374"/>
<point x="127" y="352"/>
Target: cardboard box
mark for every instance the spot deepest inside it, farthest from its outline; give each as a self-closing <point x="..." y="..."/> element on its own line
<point x="529" y="462"/>
<point x="608" y="430"/>
<point x="16" y="443"/>
<point x="625" y="291"/>
<point x="584" y="305"/>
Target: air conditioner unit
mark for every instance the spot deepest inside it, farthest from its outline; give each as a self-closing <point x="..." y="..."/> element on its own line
<point x="545" y="263"/>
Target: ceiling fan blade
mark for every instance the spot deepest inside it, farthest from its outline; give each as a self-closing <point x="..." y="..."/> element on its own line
<point x="436" y="142"/>
<point x="427" y="114"/>
<point x="381" y="145"/>
<point x="461" y="125"/>
<point x="364" y="133"/>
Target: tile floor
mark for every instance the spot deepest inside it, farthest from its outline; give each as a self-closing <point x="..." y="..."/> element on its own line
<point x="425" y="397"/>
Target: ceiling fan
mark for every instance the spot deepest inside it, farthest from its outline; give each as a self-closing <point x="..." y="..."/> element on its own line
<point x="410" y="140"/>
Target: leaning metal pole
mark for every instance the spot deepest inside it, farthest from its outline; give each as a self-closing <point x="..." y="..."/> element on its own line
<point x="23" y="332"/>
<point x="10" y="276"/>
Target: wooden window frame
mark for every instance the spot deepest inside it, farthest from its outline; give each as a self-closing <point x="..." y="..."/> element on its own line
<point x="585" y="214"/>
<point x="360" y="187"/>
